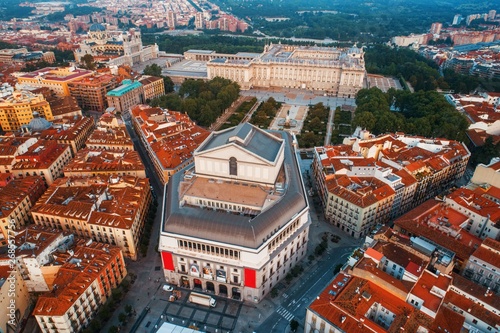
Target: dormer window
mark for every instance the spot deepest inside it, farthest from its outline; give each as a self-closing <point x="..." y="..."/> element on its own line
<point x="233" y="166"/>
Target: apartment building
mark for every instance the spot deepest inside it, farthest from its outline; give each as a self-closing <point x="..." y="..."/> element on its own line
<point x="358" y="182"/>
<point x="236" y="220"/>
<point x="16" y="200"/>
<point x="84" y="281"/>
<point x="434" y="224"/>
<point x="72" y="131"/>
<point x="14" y="298"/>
<point x="435" y="163"/>
<point x="481" y="205"/>
<point x="102" y="162"/>
<point x="356" y="304"/>
<point x="46" y="158"/>
<point x="54" y="78"/>
<point x="90" y="92"/>
<point x="409" y="256"/>
<point x="356" y="205"/>
<point x="402" y="263"/>
<point x="110" y="134"/>
<point x="338" y="72"/>
<point x="10" y="148"/>
<point x="169" y="137"/>
<point x="483" y="266"/>
<point x="21" y="107"/>
<point x="122" y="98"/>
<point x="152" y="86"/>
<point x="6" y="55"/>
<point x="408" y="294"/>
<point x="35" y="246"/>
<point x="476" y="303"/>
<point x="109" y="209"/>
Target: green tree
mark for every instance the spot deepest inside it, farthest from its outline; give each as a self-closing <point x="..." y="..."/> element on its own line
<point x="88" y="61"/>
<point x="153" y="70"/>
<point x="122" y="317"/>
<point x="168" y="83"/>
<point x="294" y="325"/>
<point x="365" y="120"/>
<point x="113" y="329"/>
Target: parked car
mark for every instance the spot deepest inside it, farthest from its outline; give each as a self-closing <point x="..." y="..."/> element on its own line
<point x="168" y="287"/>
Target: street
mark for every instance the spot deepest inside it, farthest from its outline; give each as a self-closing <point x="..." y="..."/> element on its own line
<point x="302" y="293"/>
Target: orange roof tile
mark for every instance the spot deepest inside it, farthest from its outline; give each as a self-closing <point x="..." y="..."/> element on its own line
<point x="415" y="222"/>
<point x="427" y="289"/>
<point x="374" y="254"/>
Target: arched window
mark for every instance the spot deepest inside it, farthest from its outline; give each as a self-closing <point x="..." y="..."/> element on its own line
<point x="233" y="166"/>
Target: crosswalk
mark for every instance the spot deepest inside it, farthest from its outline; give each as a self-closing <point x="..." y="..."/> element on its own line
<point x="285" y="313"/>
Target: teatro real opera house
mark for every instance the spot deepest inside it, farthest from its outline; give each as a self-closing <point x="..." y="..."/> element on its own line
<point x="236" y="220"/>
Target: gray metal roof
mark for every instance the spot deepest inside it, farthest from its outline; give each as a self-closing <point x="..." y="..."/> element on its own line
<point x="234" y="229"/>
<point x="253" y="139"/>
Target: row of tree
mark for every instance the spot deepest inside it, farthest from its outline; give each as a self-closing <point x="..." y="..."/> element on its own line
<point x="265" y="113"/>
<point x="314" y="128"/>
<point x="239" y="114"/>
<point x="203" y="101"/>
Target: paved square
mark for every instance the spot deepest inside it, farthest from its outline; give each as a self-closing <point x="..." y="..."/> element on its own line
<point x="181" y="312"/>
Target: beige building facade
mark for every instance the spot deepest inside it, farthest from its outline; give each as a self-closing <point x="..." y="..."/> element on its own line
<point x="14" y="299"/>
<point x="54" y="78"/>
<point x="17" y="109"/>
<point x="337" y="72"/>
<point x="116" y="216"/>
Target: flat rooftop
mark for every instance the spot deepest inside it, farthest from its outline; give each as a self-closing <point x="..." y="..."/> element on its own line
<point x="187" y="68"/>
<point x="235" y="192"/>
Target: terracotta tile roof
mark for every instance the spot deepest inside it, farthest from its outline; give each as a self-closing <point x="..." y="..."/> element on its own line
<point x="374" y="254"/>
<point x="41" y="155"/>
<point x="474" y="309"/>
<point x="66" y="105"/>
<point x="447" y="321"/>
<point x="428" y="287"/>
<point x="482" y="112"/>
<point x="399" y="255"/>
<point x="492" y="243"/>
<point x="362" y="192"/>
<point x="371" y="267"/>
<point x="119" y="200"/>
<point x="53" y="73"/>
<point x="5" y="272"/>
<point x="103" y="160"/>
<point x="76" y="274"/>
<point x="346" y="306"/>
<point x="477" y="291"/>
<point x="110" y="137"/>
<point x="172" y="135"/>
<point x="149" y="79"/>
<point x="66" y="128"/>
<point x="477" y="201"/>
<point x="479" y="136"/>
<point x="34" y="239"/>
<point x="415" y="222"/>
<point x="487" y="255"/>
<point x="16" y="191"/>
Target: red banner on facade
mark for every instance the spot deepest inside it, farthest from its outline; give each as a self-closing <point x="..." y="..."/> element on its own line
<point x="168" y="261"/>
<point x="250" y="278"/>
